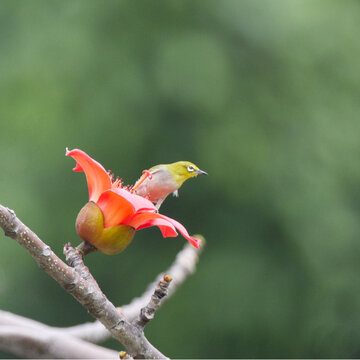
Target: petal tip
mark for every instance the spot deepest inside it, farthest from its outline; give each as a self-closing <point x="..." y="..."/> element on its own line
<point x="71" y="152"/>
<point x="198" y="241"/>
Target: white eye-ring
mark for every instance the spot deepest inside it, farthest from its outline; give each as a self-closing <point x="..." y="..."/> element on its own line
<point x="190" y="168"/>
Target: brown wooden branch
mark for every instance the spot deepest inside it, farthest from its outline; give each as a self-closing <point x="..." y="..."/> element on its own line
<point x="131" y="336"/>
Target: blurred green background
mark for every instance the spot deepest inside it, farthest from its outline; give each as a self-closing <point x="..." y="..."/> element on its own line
<point x="262" y="94"/>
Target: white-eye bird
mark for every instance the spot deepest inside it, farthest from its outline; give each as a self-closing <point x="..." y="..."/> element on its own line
<point x="161" y="180"/>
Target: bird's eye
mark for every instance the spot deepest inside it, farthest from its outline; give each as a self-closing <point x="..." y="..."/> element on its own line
<point x="190" y="168"/>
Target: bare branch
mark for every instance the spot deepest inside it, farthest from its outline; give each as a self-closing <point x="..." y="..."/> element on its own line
<point x="183" y="266"/>
<point x="10" y="319"/>
<point x="28" y="338"/>
<point x="147" y="313"/>
<point x="92" y="299"/>
<point x="45" y="344"/>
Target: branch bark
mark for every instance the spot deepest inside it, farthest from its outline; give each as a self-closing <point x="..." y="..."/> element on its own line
<point x="75" y="258"/>
<point x="90" y="297"/>
<point x="183" y="266"/>
<point x="14" y="339"/>
<point x="26" y="337"/>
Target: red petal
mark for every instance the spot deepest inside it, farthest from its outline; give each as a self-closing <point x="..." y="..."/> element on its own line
<point x="143" y="220"/>
<point x="139" y="219"/>
<point x="183" y="231"/>
<point x="167" y="230"/>
<point x="166" y="225"/>
<point x="137" y="201"/>
<point x="97" y="178"/>
<point x="115" y="207"/>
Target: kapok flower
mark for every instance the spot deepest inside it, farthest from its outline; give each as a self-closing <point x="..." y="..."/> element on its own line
<point x="113" y="214"/>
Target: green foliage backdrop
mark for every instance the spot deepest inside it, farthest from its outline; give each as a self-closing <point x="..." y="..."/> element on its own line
<point x="262" y="94"/>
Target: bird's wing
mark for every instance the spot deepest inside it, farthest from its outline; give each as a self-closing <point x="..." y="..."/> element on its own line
<point x="154" y="170"/>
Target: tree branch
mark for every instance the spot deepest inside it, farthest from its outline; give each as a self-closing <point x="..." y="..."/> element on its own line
<point x="147" y="313"/>
<point x="91" y="298"/>
<point x="10" y="319"/>
<point x="29" y="338"/>
<point x="95" y="332"/>
<point x="46" y="343"/>
<point x="183" y="266"/>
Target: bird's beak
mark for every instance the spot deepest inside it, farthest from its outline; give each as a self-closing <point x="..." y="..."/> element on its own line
<point x="201" y="172"/>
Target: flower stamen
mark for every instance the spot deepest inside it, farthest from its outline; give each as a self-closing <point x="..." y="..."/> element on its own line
<point x="118" y="183"/>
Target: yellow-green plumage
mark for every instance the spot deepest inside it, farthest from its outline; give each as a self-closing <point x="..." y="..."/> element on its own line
<point x="167" y="179"/>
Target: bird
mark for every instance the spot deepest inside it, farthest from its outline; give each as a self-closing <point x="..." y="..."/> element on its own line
<point x="161" y="180"/>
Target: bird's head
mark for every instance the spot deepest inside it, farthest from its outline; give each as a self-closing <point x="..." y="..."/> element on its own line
<point x="183" y="170"/>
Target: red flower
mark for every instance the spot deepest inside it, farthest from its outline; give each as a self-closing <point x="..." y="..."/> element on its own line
<point x="113" y="214"/>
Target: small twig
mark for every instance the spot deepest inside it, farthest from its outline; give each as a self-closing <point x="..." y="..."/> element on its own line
<point x="86" y="248"/>
<point x="147" y="313"/>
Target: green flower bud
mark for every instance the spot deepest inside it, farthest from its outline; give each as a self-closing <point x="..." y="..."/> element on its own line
<point x="90" y="227"/>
